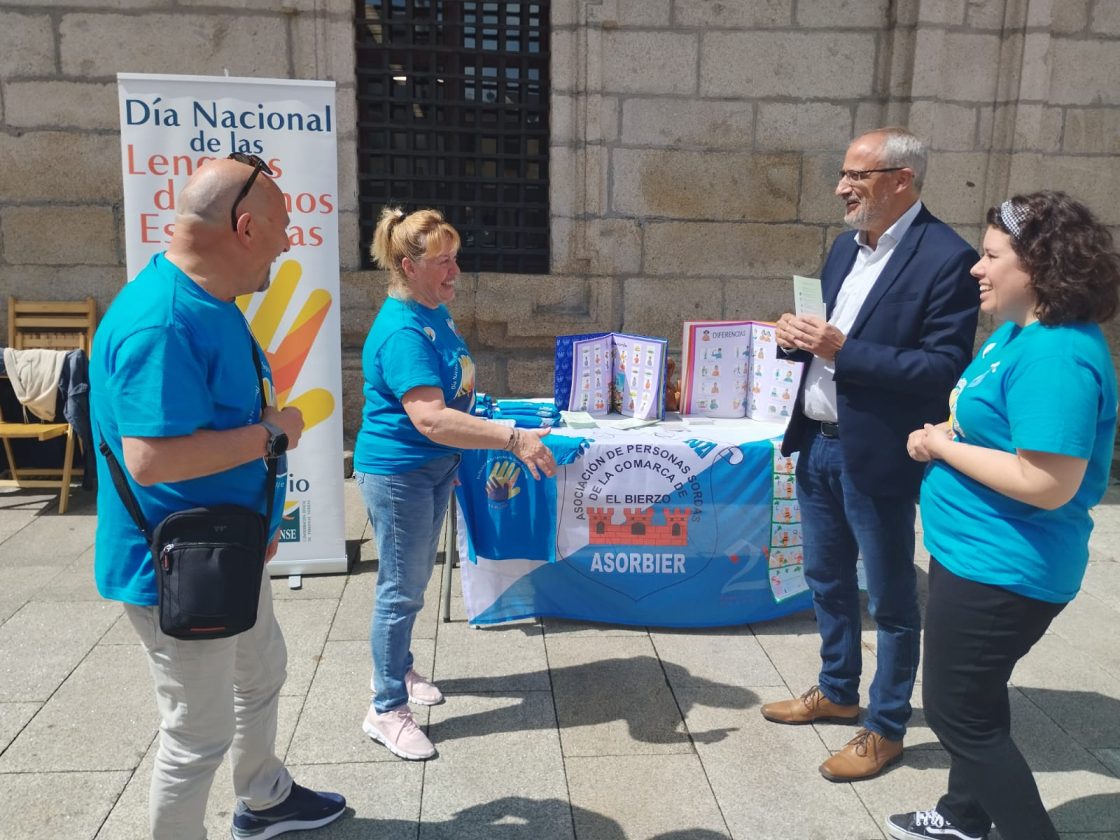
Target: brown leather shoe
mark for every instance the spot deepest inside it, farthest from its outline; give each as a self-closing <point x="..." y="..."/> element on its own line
<point x="866" y="755"/>
<point x="810" y="707"/>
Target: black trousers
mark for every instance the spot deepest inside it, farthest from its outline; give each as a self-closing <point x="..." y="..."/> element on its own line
<point x="975" y="635"/>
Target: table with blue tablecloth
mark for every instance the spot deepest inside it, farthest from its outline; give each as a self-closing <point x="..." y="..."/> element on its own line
<point x="679" y="524"/>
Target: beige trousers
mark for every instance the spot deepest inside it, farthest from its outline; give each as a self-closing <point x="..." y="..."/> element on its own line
<point x="213" y="696"/>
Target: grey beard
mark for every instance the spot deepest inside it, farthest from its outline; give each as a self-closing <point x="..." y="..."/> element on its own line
<point x="857" y="220"/>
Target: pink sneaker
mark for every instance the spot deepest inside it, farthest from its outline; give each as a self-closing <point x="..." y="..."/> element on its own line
<point x="421" y="690"/>
<point x="399" y="733"/>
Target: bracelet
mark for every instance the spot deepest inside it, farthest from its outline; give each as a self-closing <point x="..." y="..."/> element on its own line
<point x="513" y="439"/>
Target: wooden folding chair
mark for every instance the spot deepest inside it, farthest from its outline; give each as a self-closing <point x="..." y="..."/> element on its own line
<point x="50" y="325"/>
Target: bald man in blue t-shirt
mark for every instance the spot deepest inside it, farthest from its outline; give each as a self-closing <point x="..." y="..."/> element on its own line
<point x="175" y="396"/>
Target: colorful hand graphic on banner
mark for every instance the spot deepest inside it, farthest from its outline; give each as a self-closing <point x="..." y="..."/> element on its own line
<point x="289" y="355"/>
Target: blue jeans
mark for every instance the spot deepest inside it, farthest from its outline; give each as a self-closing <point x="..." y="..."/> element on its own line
<point x="406" y="511"/>
<point x="839" y="524"/>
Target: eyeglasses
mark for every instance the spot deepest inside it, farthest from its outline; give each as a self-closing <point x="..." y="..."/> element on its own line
<point x="259" y="166"/>
<point x="854" y="176"/>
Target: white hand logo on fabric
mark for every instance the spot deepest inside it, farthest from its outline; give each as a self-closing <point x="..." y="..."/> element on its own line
<point x="953" y="397"/>
<point x="976" y="381"/>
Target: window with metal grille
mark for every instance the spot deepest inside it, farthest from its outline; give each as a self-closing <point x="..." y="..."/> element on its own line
<point x="453" y="114"/>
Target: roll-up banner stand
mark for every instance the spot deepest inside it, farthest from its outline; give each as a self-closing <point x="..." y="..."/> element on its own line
<point x="171" y="125"/>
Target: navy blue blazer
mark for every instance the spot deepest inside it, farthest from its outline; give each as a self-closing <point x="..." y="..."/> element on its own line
<point x="908" y="346"/>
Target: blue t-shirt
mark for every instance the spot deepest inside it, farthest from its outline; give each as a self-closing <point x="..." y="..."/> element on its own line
<point x="1039" y="388"/>
<point x="408" y="346"/>
<point x="169" y="359"/>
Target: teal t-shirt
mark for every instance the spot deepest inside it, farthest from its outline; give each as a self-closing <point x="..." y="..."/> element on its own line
<point x="408" y="346"/>
<point x="1038" y="388"/>
<point x="169" y="359"/>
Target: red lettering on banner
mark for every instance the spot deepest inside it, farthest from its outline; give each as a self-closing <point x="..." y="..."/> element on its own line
<point x="161" y="165"/>
<point x="146" y="229"/>
<point x="309" y="203"/>
<point x="311" y="237"/>
<point x="150" y="231"/>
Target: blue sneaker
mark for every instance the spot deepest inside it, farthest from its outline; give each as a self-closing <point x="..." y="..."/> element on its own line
<point x="303" y="810"/>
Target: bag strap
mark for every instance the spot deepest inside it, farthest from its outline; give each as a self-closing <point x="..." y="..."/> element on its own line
<point x="132" y="504"/>
<point x="128" y="498"/>
<point x="273" y="463"/>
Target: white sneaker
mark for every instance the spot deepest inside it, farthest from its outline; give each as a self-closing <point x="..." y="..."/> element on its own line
<point x="399" y="733"/>
<point x="421" y="690"/>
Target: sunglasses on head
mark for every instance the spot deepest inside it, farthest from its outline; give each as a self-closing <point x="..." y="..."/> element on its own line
<point x="259" y="166"/>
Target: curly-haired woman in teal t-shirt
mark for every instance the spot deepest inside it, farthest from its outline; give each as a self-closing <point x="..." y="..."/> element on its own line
<point x="1005" y="501"/>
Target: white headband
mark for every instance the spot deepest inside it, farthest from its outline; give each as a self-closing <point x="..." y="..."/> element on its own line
<point x="1013" y="217"/>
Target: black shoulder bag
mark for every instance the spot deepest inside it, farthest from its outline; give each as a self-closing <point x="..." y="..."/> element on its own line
<point x="208" y="560"/>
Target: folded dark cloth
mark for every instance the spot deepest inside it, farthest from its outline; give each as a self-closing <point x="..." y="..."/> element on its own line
<point x="74" y="386"/>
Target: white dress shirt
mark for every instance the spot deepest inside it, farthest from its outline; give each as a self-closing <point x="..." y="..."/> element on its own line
<point x="820" y="390"/>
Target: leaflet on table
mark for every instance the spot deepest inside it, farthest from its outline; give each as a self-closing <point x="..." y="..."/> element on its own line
<point x="732" y="369"/>
<point x="578" y="420"/>
<point x="620" y="373"/>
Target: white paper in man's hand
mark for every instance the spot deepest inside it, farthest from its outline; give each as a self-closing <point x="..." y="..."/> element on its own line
<point x="807" y="297"/>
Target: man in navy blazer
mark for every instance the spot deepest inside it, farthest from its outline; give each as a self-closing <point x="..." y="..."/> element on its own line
<point x="902" y="312"/>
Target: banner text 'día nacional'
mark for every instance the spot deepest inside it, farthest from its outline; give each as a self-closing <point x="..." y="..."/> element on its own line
<point x="209" y="129"/>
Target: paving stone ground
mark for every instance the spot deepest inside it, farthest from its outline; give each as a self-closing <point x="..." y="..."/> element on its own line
<point x="552" y="730"/>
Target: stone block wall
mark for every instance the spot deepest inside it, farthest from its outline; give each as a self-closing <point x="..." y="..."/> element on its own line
<point x="693" y="154"/>
<point x="61" y="223"/>
<point x="704" y="135"/>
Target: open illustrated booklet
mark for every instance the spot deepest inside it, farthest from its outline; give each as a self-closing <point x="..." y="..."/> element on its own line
<point x="604" y="372"/>
<point x="732" y="369"/>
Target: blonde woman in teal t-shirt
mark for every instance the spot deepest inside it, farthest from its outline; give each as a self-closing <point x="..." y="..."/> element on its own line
<point x="1005" y="501"/>
<point x="416" y="419"/>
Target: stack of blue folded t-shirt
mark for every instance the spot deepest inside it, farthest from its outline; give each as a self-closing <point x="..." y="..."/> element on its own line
<point x="527" y="414"/>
